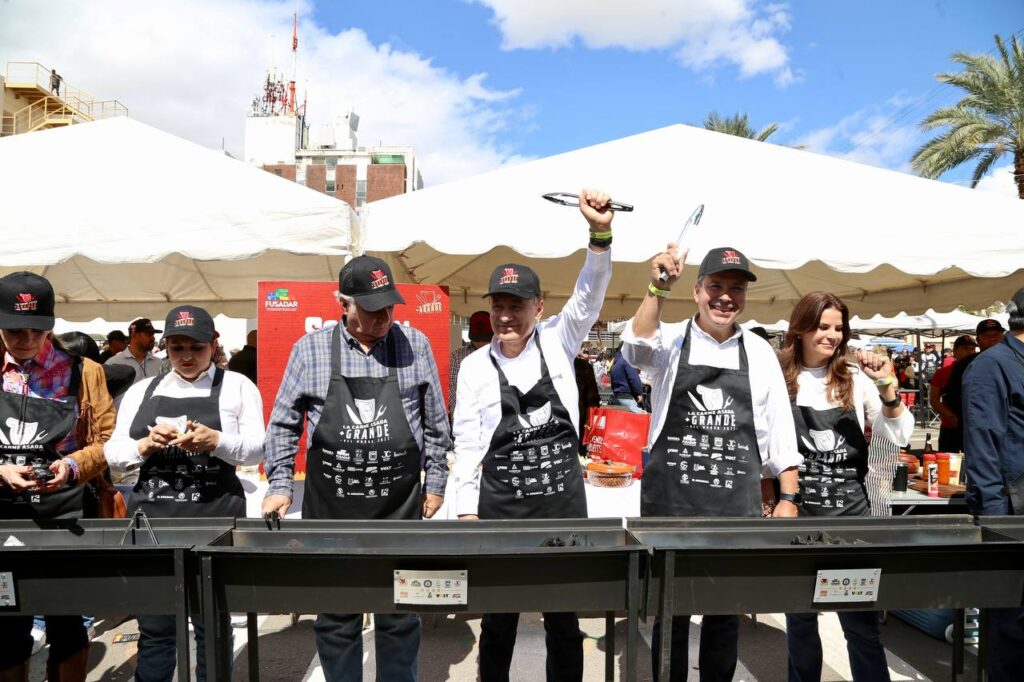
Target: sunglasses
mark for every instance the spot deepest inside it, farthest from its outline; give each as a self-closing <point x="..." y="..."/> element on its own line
<point x="195" y="348"/>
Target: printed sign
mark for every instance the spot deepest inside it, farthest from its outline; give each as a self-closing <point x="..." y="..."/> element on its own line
<point x="853" y="585"/>
<point x="289" y="310"/>
<point x="7" y="596"/>
<point x="431" y="587"/>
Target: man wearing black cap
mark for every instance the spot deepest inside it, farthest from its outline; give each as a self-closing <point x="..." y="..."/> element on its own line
<point x="116" y="342"/>
<point x="139" y="353"/>
<point x="989" y="333"/>
<point x="993" y="420"/>
<point x="516" y="426"/>
<point x="721" y="414"/>
<point x="480" y="334"/>
<point x="949" y="421"/>
<point x="185" y="432"/>
<point x="371" y="395"/>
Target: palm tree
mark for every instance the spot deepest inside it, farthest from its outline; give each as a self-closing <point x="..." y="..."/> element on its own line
<point x="984" y="125"/>
<point x="738" y="125"/>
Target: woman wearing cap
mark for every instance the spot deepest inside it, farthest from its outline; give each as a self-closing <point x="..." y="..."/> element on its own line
<point x="185" y="431"/>
<point x="55" y="415"/>
<point x="832" y="402"/>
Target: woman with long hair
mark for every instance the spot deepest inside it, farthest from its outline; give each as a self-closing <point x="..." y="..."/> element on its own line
<point x="834" y="395"/>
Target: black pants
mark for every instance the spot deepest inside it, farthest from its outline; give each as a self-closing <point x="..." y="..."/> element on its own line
<point x="718" y="648"/>
<point x="65" y="634"/>
<point x="561" y="635"/>
<point x="1006" y="642"/>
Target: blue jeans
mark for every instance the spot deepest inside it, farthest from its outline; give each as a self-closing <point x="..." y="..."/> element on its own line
<point x="158" y="649"/>
<point x="631" y="404"/>
<point x="863" y="644"/>
<point x="339" y="643"/>
<point x="719" y="637"/>
<point x="1006" y="641"/>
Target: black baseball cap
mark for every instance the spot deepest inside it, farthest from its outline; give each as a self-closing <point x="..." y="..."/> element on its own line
<point x="26" y="301"/>
<point x="989" y="325"/>
<point x="725" y="258"/>
<point x="191" y="321"/>
<point x="143" y="324"/>
<point x="965" y="340"/>
<point x="117" y="335"/>
<point x="368" y="280"/>
<point x="515" y="280"/>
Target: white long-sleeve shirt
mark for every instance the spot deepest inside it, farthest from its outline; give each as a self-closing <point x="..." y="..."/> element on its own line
<point x="811" y="392"/>
<point x="773" y="414"/>
<point x="241" y="418"/>
<point x="478" y="399"/>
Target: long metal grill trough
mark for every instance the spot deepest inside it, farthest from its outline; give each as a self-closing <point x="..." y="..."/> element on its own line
<point x="316" y="566"/>
<point x="68" y="568"/>
<point x="736" y="566"/>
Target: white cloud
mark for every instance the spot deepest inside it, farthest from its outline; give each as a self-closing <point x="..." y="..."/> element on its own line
<point x="701" y="34"/>
<point x="1000" y="181"/>
<point x="192" y="67"/>
<point x="877" y="136"/>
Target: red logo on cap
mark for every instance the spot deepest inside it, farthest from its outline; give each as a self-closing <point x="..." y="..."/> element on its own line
<point x="25" y="303"/>
<point x="730" y="257"/>
<point x="185" y="319"/>
<point x="378" y="279"/>
<point x="510" y="277"/>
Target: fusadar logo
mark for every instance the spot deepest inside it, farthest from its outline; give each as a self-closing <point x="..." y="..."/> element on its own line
<point x="278" y="299"/>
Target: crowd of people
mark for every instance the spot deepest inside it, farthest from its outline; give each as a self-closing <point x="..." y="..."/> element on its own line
<point x="728" y="413"/>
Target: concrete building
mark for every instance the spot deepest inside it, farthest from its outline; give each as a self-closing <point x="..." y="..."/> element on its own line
<point x="36" y="98"/>
<point x="328" y="157"/>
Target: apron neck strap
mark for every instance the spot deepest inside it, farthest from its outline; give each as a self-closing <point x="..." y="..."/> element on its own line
<point x="544" y="374"/>
<point x="744" y="366"/>
<point x="390" y="353"/>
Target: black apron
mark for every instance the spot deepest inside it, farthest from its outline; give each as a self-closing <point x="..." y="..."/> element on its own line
<point x="176" y="483"/>
<point x="363" y="461"/>
<point x="706" y="460"/>
<point x="835" y="462"/>
<point x="532" y="468"/>
<point x="30" y="431"/>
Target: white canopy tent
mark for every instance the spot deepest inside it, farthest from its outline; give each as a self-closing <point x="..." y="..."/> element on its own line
<point x="929" y="322"/>
<point x="126" y="220"/>
<point x="883" y="241"/>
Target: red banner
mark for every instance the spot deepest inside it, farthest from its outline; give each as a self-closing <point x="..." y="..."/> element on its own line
<point x="289" y="310"/>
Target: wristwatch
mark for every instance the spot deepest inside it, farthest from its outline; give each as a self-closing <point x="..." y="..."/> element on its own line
<point x="892" y="403"/>
<point x="795" y="498"/>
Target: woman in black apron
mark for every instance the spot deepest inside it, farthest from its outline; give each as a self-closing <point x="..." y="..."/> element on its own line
<point x="55" y="414"/>
<point x="180" y="476"/>
<point x="832" y="401"/>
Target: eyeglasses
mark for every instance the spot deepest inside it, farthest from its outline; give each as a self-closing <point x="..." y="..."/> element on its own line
<point x="195" y="348"/>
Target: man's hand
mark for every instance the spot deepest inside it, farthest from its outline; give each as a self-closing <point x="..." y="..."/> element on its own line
<point x="666" y="261"/>
<point x="594" y="207"/>
<point x="17" y="476"/>
<point x="785" y="509"/>
<point x="198" y="438"/>
<point x="276" y="503"/>
<point x="468" y="517"/>
<point x="431" y="503"/>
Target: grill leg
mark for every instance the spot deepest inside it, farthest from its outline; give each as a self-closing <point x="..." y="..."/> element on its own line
<point x="609" y="646"/>
<point x="665" y="610"/>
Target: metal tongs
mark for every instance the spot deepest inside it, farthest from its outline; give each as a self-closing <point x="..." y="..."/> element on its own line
<point x="139" y="517"/>
<point x="568" y="199"/>
<point x="692" y="221"/>
<point x="271" y="518"/>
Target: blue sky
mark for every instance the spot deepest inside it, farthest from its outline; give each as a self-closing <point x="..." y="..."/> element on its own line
<point x="475" y="84"/>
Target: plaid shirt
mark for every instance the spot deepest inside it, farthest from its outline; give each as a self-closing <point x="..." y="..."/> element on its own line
<point x="455" y="362"/>
<point x="303" y="392"/>
<point x="47" y="376"/>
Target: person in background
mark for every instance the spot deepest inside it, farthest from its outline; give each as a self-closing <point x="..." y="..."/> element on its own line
<point x="833" y="400"/>
<point x="244" y="361"/>
<point x="57" y="415"/>
<point x="139" y="353"/>
<point x="947" y="357"/>
<point x="988" y="333"/>
<point x="116" y="342"/>
<point x="949" y="421"/>
<point x="993" y="421"/>
<point x="627" y="389"/>
<point x="185" y="431"/>
<point x="480" y="335"/>
<point x="586" y="383"/>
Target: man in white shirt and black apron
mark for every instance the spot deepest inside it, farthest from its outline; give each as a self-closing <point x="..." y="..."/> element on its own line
<point x="516" y="426"/>
<point x="721" y="414"/>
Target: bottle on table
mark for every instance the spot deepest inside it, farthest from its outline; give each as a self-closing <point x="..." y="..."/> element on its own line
<point x="928" y="443"/>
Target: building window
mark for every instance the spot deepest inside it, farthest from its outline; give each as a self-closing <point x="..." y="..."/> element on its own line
<point x="330" y="187"/>
<point x="317" y="161"/>
<point x="278" y="173"/>
<point x="360" y="193"/>
<point x="332" y="162"/>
